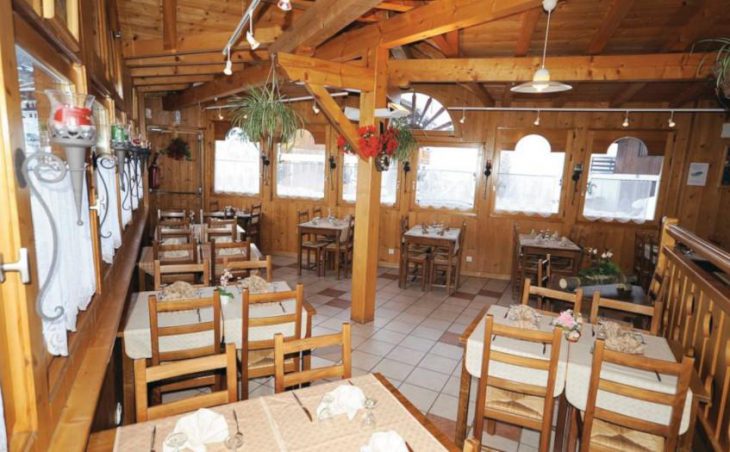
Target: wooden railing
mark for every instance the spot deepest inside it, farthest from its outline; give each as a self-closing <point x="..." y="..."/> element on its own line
<point x="697" y="317"/>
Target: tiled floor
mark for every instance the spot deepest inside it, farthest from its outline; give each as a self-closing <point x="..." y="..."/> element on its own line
<point x="413" y="340"/>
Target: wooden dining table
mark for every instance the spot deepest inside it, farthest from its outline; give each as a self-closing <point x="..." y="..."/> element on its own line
<point x="573" y="374"/>
<point x="445" y="238"/>
<point x="334" y="230"/>
<point x="136" y="337"/>
<point x="278" y="422"/>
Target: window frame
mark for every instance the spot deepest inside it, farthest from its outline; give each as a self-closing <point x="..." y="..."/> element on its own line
<point x="558" y="138"/>
<point x="612" y="135"/>
<point x="215" y="192"/>
<point x="319" y="133"/>
<point x="341" y="184"/>
<point x="415" y="163"/>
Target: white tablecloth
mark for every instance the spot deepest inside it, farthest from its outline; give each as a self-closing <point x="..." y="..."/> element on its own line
<point x="449" y="234"/>
<point x="326" y="225"/>
<point x="475" y="347"/>
<point x="579" y="372"/>
<point x="137" y="336"/>
<point x="550" y="243"/>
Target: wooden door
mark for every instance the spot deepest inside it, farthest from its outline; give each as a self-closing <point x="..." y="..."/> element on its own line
<point x="181" y="181"/>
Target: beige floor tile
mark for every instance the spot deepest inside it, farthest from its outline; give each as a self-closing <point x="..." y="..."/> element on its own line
<point x="418" y="343"/>
<point x="439" y="364"/>
<point x="364" y="360"/>
<point x="427" y="379"/>
<point x="393" y="369"/>
<point x="406" y="355"/>
<point x="376" y="347"/>
<point x="445" y="406"/>
<point x="422" y="398"/>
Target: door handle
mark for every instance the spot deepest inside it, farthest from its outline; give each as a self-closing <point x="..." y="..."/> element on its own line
<point x="21" y="266"/>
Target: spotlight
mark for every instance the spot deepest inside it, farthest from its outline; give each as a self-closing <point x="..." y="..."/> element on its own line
<point x="228" y="69"/>
<point x="252" y="40"/>
<point x="670" y="121"/>
<point x="315" y="108"/>
<point x="463" y="117"/>
<point x="284" y="5"/>
<point x="626" y="122"/>
<point x="537" y="119"/>
<point x="220" y="114"/>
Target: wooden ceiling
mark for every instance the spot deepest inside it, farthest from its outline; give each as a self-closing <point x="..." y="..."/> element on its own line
<point x="578" y="27"/>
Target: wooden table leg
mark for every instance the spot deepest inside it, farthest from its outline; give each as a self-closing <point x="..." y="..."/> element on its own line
<point x="299" y="253"/>
<point x="141" y="279"/>
<point x="463" y="411"/>
<point x="560" y="423"/>
<point x="128" y="407"/>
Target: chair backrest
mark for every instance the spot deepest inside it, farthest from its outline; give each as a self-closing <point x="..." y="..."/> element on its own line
<point x="237" y="266"/>
<point x="544" y="271"/>
<point x="316" y="212"/>
<point x="144" y="375"/>
<point x="575" y="299"/>
<point x="256" y="209"/>
<point x="221" y="230"/>
<point x="157" y="307"/>
<point x="232" y="251"/>
<point x="550" y="366"/>
<point x="283" y="348"/>
<point x="202" y="270"/>
<point x="654" y="312"/>
<point x="682" y="371"/>
<point x="184" y="253"/>
<point x="302" y="216"/>
<point x="173" y="235"/>
<point x="173" y="215"/>
<point x="276" y="321"/>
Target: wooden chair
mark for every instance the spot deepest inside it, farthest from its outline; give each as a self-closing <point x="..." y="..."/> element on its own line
<point x="317" y="212"/>
<point x="449" y="259"/>
<point x="525" y="405"/>
<point x="608" y="430"/>
<point x="516" y="261"/>
<point x="221" y="230"/>
<point x="654" y="312"/>
<point x="544" y="294"/>
<point x="256" y="209"/>
<point x="186" y="253"/>
<point x="253" y="228"/>
<point x="199" y="272"/>
<point x="414" y="258"/>
<point x="179" y="215"/>
<point x="144" y="375"/>
<point x="257" y="357"/>
<point x="544" y="271"/>
<point x="284" y="348"/>
<point x="246" y="267"/>
<point x="312" y="245"/>
<point x="176" y="233"/>
<point x="345" y="249"/>
<point x="222" y="252"/>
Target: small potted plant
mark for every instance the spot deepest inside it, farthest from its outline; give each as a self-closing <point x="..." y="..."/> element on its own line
<point x="225" y="294"/>
<point x="178" y="149"/>
<point x="721" y="68"/>
<point x="570" y="323"/>
<point x="602" y="270"/>
<point x="394" y="143"/>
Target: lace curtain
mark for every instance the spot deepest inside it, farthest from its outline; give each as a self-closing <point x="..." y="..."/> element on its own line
<point x="125" y="196"/>
<point x="74" y="281"/>
<point x="111" y="234"/>
<point x="133" y="185"/>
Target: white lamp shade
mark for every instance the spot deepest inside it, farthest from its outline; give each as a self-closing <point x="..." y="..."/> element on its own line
<point x="540" y="84"/>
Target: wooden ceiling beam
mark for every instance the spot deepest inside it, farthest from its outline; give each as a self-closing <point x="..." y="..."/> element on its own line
<point x="334" y="114"/>
<point x="194" y="43"/>
<point x="697" y="23"/>
<point x="610" y="23"/>
<point x="168" y="71"/>
<point x="528" y="23"/>
<point x="162" y="88"/>
<point x="691" y="93"/>
<point x="398" y="7"/>
<point x="627" y="93"/>
<point x="305" y="69"/>
<point x="320" y="22"/>
<point x="169" y="24"/>
<point x="448" y="43"/>
<point x="435" y="18"/>
<point x="210" y="58"/>
<point x="176" y="79"/>
<point x="633" y="68"/>
<point x="220" y="87"/>
<point x="480" y="92"/>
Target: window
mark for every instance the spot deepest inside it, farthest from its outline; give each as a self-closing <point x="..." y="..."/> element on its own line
<point x="529" y="178"/>
<point x="446" y="177"/>
<point x="237" y="166"/>
<point x="623" y="182"/>
<point x="426" y="113"/>
<point x="300" y="168"/>
<point x="388" y="181"/>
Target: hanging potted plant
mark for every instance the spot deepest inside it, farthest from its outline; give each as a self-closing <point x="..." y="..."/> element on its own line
<point x="721" y="68"/>
<point x="262" y="114"/>
<point x="178" y="149"/>
<point x="395" y="143"/>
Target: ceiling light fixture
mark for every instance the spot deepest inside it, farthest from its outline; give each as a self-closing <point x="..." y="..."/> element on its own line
<point x="541" y="82"/>
<point x="251" y="38"/>
<point x="220" y="114"/>
<point x="315" y="107"/>
<point x="284" y="5"/>
<point x="537" y="119"/>
<point x="671" y="122"/>
<point x="228" y="69"/>
<point x="626" y="122"/>
<point x="463" y="117"/>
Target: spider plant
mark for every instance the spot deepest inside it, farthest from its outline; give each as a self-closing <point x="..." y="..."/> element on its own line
<point x="406" y="141"/>
<point x="722" y="65"/>
<point x="263" y="116"/>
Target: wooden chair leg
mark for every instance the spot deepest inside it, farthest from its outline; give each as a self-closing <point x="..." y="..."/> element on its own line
<point x="491" y="426"/>
<point x="448" y="279"/>
<point x="572" y="429"/>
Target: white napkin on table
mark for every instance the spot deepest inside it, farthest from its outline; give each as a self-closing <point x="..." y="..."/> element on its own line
<point x="389" y="441"/>
<point x="202" y="427"/>
<point x="344" y="399"/>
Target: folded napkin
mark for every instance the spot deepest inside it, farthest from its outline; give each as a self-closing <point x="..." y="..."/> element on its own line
<point x="389" y="441"/>
<point x="179" y="290"/>
<point x="202" y="427"/>
<point x="523" y="316"/>
<point x="255" y="284"/>
<point x="344" y="399"/>
<point x="620" y="338"/>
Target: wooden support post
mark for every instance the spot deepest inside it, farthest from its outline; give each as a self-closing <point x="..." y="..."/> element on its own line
<point x="367" y="204"/>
